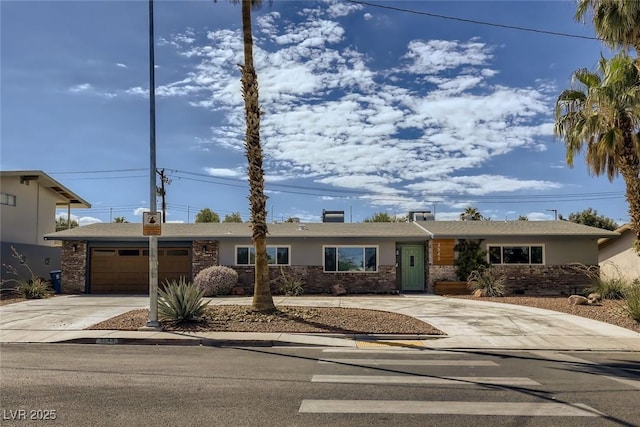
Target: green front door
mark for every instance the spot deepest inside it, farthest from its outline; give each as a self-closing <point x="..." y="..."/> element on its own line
<point x="412" y="265"/>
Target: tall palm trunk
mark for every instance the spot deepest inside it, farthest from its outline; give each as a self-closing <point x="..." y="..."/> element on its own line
<point x="630" y="171"/>
<point x="262" y="300"/>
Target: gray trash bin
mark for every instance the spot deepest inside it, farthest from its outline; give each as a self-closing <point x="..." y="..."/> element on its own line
<point x="56" y="281"/>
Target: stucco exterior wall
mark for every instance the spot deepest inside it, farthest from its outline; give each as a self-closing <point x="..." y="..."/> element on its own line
<point x="557" y="250"/>
<point x="40" y="259"/>
<point x="309" y="252"/>
<point x="618" y="259"/>
<point x="32" y="217"/>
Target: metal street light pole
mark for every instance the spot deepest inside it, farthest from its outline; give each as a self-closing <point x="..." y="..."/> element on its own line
<point x="555" y="213"/>
<point x="152" y="323"/>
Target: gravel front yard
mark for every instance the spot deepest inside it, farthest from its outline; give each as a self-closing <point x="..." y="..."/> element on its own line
<point x="230" y="318"/>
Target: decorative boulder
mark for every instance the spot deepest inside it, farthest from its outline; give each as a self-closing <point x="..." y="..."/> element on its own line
<point x="594" y="298"/>
<point x="578" y="300"/>
<point x="338" y="289"/>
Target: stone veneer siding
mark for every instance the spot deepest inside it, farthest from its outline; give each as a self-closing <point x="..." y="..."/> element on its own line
<point x="317" y="282"/>
<point x="527" y="279"/>
<point x="201" y="260"/>
<point x="74" y="267"/>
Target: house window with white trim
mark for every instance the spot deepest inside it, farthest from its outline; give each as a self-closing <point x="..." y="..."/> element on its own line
<point x="7" y="199"/>
<point x="516" y="254"/>
<point x="350" y="258"/>
<point x="276" y="255"/>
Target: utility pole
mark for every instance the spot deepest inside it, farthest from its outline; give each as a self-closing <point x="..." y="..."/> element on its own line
<point x="555" y="213"/>
<point x="152" y="322"/>
<point x="162" y="192"/>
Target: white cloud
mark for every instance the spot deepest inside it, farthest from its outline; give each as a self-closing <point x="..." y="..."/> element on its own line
<point x="82" y="87"/>
<point x="121" y="65"/>
<point x="140" y="211"/>
<point x="329" y="116"/>
<point x="232" y="173"/>
<point x="83" y="220"/>
<point x="87" y="88"/>
<point x="86" y="220"/>
<point x="435" y="56"/>
<point x="539" y="216"/>
<point x="367" y="16"/>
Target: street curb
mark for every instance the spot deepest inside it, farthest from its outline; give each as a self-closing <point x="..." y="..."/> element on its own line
<point x="230" y="342"/>
<point x="186" y="342"/>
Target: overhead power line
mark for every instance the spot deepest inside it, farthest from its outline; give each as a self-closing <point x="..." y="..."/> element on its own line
<point x="103" y="171"/>
<point x="473" y="21"/>
<point x="316" y="191"/>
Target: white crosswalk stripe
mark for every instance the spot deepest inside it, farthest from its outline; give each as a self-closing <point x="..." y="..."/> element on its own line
<point x="383" y="357"/>
<point x="413" y="362"/>
<point x="413" y="379"/>
<point x="447" y="408"/>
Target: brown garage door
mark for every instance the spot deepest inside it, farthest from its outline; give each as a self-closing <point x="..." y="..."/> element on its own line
<point x="126" y="270"/>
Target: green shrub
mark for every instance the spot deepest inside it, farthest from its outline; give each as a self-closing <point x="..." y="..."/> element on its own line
<point x="484" y="280"/>
<point x="216" y="280"/>
<point x="632" y="299"/>
<point x="35" y="289"/>
<point x="470" y="257"/>
<point x="609" y="288"/>
<point x="290" y="286"/>
<point x="181" y="301"/>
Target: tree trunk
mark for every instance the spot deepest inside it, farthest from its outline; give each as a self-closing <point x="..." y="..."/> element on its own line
<point x="630" y="171"/>
<point x="262" y="300"/>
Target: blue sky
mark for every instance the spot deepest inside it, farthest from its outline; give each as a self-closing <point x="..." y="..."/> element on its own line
<point x="366" y="109"/>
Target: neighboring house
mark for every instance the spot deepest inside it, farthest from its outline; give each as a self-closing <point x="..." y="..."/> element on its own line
<point x="537" y="257"/>
<point x="617" y="258"/>
<point x="28" y="212"/>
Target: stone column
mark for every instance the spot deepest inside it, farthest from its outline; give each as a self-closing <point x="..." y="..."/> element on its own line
<point x="74" y="267"/>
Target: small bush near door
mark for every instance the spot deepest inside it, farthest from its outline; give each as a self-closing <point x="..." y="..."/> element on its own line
<point x="216" y="280"/>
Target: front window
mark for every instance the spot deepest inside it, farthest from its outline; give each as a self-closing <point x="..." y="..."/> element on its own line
<point x="350" y="258"/>
<point x="8" y="199"/>
<point x="276" y="255"/>
<point x="516" y="254"/>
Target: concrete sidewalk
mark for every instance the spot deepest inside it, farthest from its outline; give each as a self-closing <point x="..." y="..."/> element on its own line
<point x="469" y="324"/>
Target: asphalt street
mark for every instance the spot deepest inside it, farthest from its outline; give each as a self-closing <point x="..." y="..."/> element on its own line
<point x="111" y="385"/>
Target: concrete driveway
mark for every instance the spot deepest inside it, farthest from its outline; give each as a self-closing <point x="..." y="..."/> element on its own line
<point x="468" y="324"/>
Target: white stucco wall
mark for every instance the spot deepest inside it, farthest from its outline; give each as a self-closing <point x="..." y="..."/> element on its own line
<point x="617" y="258"/>
<point x="32" y="217"/>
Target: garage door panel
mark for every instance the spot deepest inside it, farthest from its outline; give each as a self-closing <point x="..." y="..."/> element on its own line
<point x="126" y="270"/>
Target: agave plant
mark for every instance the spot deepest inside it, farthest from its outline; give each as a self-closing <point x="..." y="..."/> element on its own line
<point x="181" y="301"/>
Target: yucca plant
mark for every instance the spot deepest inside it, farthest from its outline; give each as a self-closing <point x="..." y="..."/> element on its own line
<point x="290" y="285"/>
<point x="483" y="279"/>
<point x="181" y="301"/>
<point x="35" y="289"/>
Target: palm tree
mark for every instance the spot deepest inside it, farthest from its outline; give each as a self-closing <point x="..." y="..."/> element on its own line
<point x="262" y="299"/>
<point x="617" y="22"/>
<point x="120" y="220"/>
<point x="384" y="217"/>
<point x="601" y="115"/>
<point x="471" y="214"/>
